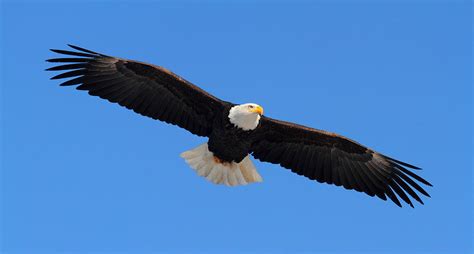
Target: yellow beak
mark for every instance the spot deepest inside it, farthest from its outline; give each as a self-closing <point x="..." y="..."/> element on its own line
<point x="258" y="110"/>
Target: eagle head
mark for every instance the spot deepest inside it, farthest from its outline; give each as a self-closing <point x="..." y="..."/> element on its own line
<point x="245" y="116"/>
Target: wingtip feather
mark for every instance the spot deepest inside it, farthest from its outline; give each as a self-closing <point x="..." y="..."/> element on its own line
<point x="401" y="163"/>
<point x="83" y="49"/>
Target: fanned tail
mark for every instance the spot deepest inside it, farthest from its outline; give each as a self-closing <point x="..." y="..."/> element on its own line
<point x="207" y="165"/>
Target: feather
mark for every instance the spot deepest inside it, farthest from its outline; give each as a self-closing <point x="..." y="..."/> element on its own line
<point x="68" y="60"/>
<point x="71" y="53"/>
<point x="70" y="74"/>
<point x="84" y="50"/>
<point x="67" y="67"/>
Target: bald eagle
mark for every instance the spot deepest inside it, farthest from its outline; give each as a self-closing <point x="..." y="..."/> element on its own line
<point x="236" y="131"/>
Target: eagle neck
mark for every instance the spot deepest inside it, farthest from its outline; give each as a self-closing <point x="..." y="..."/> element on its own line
<point x="242" y="119"/>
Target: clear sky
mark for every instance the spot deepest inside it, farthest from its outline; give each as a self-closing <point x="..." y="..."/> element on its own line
<point x="83" y="175"/>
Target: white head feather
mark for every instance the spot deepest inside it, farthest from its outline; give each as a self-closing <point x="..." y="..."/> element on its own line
<point x="246" y="116"/>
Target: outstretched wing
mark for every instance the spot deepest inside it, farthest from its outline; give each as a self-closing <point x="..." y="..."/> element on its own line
<point x="149" y="90"/>
<point x="333" y="159"/>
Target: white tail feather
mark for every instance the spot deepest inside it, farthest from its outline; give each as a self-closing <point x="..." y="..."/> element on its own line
<point x="231" y="174"/>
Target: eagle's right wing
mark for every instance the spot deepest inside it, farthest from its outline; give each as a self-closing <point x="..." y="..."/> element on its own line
<point x="334" y="159"/>
<point x="149" y="90"/>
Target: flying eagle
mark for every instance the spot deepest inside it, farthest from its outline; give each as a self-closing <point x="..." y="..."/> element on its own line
<point x="237" y="130"/>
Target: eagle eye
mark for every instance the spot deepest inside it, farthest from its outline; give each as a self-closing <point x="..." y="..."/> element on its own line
<point x="250" y="106"/>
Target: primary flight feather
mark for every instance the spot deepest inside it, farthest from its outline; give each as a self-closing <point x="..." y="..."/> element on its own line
<point x="236" y="131"/>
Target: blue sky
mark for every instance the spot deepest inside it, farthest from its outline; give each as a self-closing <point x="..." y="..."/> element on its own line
<point x="81" y="175"/>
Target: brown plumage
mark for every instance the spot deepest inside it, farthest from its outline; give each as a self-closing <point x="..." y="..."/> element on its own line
<point x="330" y="158"/>
<point x="149" y="90"/>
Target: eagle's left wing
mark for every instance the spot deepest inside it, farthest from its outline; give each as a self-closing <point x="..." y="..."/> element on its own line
<point x="147" y="89"/>
<point x="333" y="159"/>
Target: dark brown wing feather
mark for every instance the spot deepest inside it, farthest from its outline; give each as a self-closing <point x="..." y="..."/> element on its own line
<point x="329" y="158"/>
<point x="149" y="90"/>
